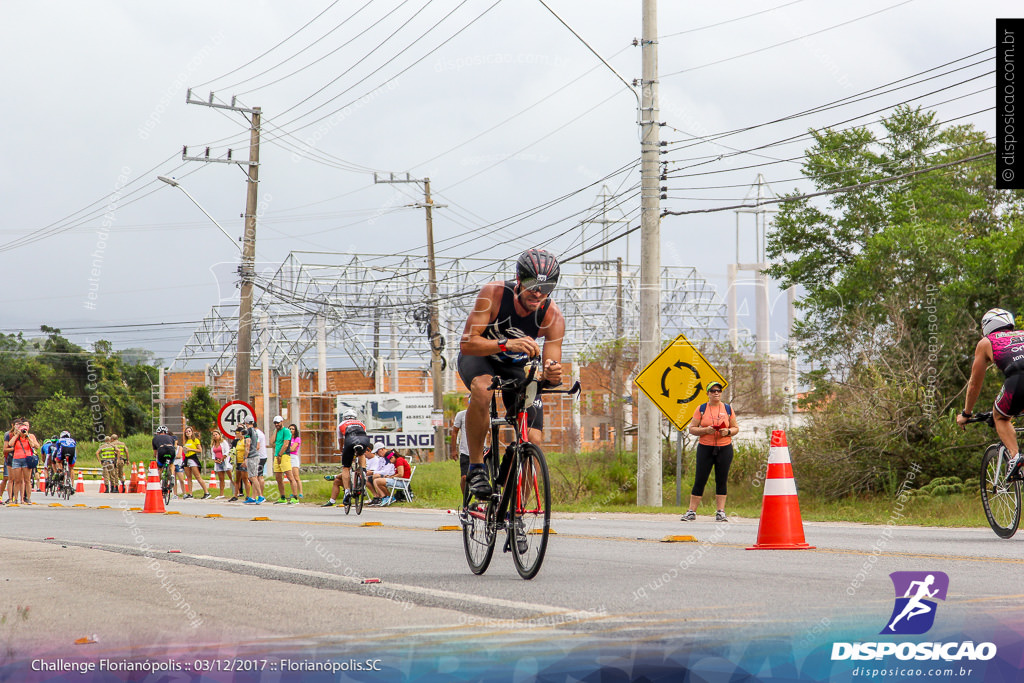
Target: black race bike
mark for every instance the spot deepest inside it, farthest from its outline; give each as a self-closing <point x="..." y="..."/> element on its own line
<point x="358" y="491"/>
<point x="1000" y="497"/>
<point x="521" y="500"/>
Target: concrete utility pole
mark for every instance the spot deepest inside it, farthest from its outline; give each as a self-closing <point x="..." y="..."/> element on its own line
<point x="436" y="338"/>
<point x="247" y="268"/>
<point x="649" y="427"/>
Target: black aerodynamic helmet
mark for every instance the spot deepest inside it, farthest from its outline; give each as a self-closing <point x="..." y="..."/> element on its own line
<point x="538" y="269"/>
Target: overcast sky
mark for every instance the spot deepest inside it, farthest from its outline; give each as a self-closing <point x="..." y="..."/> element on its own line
<point x="507" y="115"/>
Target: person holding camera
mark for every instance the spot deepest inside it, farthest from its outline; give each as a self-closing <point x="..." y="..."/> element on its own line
<point x="24" y="448"/>
<point x="715" y="423"/>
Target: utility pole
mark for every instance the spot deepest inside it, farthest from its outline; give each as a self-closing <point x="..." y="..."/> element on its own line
<point x="247" y="268"/>
<point x="649" y="427"/>
<point x="435" y="336"/>
<point x="618" y="420"/>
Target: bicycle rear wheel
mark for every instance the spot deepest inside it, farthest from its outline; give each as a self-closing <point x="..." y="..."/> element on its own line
<point x="167" y="486"/>
<point x="1001" y="499"/>
<point x="531" y="511"/>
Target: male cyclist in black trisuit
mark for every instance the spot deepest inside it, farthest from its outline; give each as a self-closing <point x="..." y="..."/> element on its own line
<point x="1004" y="346"/>
<point x="164" y="449"/>
<point x="500" y="336"/>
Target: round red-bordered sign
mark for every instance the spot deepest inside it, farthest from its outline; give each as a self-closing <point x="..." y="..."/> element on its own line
<point x="233" y="414"/>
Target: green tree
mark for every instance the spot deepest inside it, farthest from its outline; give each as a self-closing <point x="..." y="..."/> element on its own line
<point x="896" y="276"/>
<point x="59" y="412"/>
<point x="200" y="410"/>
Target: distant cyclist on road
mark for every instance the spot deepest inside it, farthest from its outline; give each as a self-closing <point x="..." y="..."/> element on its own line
<point x="1003" y="345"/>
<point x="164" y="447"/>
<point x="500" y="337"/>
<point x="65" y="449"/>
<point x="352" y="433"/>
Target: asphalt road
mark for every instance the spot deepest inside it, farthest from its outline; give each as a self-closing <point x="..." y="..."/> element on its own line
<point x="129" y="580"/>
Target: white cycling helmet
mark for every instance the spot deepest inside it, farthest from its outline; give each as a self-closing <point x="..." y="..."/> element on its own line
<point x="349" y="415"/>
<point x="996" y="319"/>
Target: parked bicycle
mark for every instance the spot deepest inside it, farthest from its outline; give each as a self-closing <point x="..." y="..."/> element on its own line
<point x="521" y="502"/>
<point x="1000" y="498"/>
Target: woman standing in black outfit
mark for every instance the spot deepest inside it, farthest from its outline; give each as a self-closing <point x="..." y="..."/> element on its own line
<point x="715" y="423"/>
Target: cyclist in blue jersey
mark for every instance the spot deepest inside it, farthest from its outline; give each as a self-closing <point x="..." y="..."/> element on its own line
<point x="64" y="450"/>
<point x="500" y="337"/>
<point x="1003" y="346"/>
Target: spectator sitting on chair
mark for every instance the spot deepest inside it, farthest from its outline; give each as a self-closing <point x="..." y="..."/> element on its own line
<point x="378" y="484"/>
<point x="402" y="471"/>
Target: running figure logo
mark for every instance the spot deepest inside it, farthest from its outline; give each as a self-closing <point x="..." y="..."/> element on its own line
<point x="914" y="611"/>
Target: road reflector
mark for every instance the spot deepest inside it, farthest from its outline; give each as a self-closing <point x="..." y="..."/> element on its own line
<point x="102" y="507"/>
<point x="80" y="505"/>
<point x="372" y="524"/>
<point x="676" y="538"/>
<point x="449" y="527"/>
<point x="56" y="505"/>
<point x="371" y="580"/>
<point x="135" y="509"/>
<point x="172" y="512"/>
<point x="174" y="551"/>
<point x="212" y="515"/>
<point x="261" y="519"/>
<point x="48" y="538"/>
<point x="540" y="531"/>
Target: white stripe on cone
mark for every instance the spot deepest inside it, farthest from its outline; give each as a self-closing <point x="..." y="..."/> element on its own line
<point x="780" y="487"/>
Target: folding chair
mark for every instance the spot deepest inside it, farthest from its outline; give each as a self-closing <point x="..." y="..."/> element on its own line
<point x="401" y="485"/>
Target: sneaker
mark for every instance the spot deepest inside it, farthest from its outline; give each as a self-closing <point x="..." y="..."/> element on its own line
<point x="280" y="501"/>
<point x="522" y="544"/>
<point x="249" y="501"/>
<point x="205" y="496"/>
<point x="720" y="516"/>
<point x="232" y="499"/>
<point x="293" y="500"/>
<point x="219" y="498"/>
<point x="329" y="477"/>
<point x="328" y="504"/>
<point x="1013" y="467"/>
<point x="478" y="483"/>
<point x="261" y="499"/>
<point x="374" y="502"/>
<point x="387" y="501"/>
<point x="690" y="516"/>
<point x="347" y="499"/>
<point x="186" y="496"/>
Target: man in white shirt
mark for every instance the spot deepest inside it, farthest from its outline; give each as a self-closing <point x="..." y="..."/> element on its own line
<point x="459" y="437"/>
<point x="378" y="484"/>
<point x="264" y="459"/>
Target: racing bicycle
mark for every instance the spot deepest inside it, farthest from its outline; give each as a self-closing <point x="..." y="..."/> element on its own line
<point x="60" y="484"/>
<point x="520" y="502"/>
<point x="999" y="497"/>
<point x="167" y="481"/>
<point x="358" y="491"/>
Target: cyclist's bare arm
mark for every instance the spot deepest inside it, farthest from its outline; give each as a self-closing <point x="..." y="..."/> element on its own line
<point x="982" y="359"/>
<point x="553" y="331"/>
<point x="485" y="310"/>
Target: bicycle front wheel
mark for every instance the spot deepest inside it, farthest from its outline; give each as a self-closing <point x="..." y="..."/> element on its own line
<point x="531" y="510"/>
<point x="1001" y="499"/>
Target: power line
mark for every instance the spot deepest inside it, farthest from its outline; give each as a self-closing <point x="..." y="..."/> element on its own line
<point x="787" y="42"/>
<point x="729" y="21"/>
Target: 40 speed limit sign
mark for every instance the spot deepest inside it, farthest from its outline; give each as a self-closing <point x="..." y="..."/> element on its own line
<point x="233" y="415"/>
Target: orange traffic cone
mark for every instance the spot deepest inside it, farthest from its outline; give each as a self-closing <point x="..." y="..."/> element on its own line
<point x="142" y="478"/>
<point x="213" y="482"/>
<point x="780" y="527"/>
<point x="103" y="486"/>
<point x="154" y="496"/>
<point x="80" y="484"/>
<point x="133" y="482"/>
<point x="42" y="479"/>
